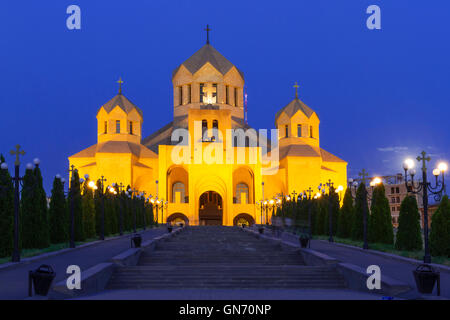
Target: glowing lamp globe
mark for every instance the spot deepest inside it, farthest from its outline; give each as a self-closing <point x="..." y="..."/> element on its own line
<point x="442" y="167"/>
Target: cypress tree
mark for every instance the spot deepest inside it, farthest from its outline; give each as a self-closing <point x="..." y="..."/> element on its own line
<point x="440" y="229"/>
<point x="380" y="223"/>
<point x="88" y="210"/>
<point x="6" y="211"/>
<point x="42" y="228"/>
<point x="408" y="234"/>
<point x="357" y="232"/>
<point x="344" y="229"/>
<point x="334" y="211"/>
<point x="75" y="196"/>
<point x="29" y="210"/>
<point x="321" y="214"/>
<point x="58" y="213"/>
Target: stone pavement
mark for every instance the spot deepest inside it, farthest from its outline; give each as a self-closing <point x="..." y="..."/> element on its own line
<point x="233" y="294"/>
<point x="14" y="280"/>
<point x="395" y="269"/>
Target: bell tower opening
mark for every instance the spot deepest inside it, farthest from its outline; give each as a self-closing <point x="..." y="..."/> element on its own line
<point x="210" y="209"/>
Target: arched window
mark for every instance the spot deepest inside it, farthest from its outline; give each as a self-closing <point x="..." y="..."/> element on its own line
<point x="299" y="130"/>
<point x="178" y="192"/>
<point x="242" y="193"/>
<point x="117" y="126"/>
<point x="204" y="130"/>
<point x="286" y="129"/>
<point x="215" y="126"/>
<point x="311" y="132"/>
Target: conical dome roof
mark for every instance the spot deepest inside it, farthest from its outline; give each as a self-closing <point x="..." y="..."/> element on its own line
<point x="123" y="103"/>
<point x="206" y="54"/>
<point x="294" y="106"/>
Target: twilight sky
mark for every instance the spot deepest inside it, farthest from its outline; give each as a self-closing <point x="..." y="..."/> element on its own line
<point x="381" y="95"/>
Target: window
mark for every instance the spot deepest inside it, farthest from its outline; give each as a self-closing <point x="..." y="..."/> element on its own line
<point x="215" y="130"/>
<point x="392" y="200"/>
<point x="214" y="94"/>
<point x="311" y="132"/>
<point x="189" y="93"/>
<point x="204" y="130"/>
<point x="227" y="94"/>
<point x="235" y="97"/>
<point x="131" y="127"/>
<point x="117" y="126"/>
<point x="286" y="131"/>
<point x="398" y="199"/>
<point x="178" y="192"/>
<point x="393" y="209"/>
<point x="242" y="193"/>
<point x="106" y="127"/>
<point x="397" y="190"/>
<point x="201" y="91"/>
<point x="392" y="190"/>
<point x="299" y="130"/>
<point x="180" y="95"/>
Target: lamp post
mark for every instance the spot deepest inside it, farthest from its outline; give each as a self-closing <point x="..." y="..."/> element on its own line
<point x="102" y="201"/>
<point x="321" y="187"/>
<point x="424" y="187"/>
<point x="120" y="186"/>
<point x="309" y="191"/>
<point x="16" y="180"/>
<point x="72" y="170"/>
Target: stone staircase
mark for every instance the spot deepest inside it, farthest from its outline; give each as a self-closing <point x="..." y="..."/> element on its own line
<point x="222" y="257"/>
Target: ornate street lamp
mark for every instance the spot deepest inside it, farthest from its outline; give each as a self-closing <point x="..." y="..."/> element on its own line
<point x="17" y="179"/>
<point x="321" y="187"/>
<point x="424" y="187"/>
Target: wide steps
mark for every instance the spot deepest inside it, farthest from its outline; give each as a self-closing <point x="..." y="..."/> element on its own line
<point x="225" y="258"/>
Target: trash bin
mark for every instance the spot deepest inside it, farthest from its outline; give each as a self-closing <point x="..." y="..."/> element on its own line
<point x="137" y="240"/>
<point x="425" y="277"/>
<point x="41" y="279"/>
<point x="304" y="241"/>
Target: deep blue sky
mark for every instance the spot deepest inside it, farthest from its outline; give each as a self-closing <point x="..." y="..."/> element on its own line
<point x="380" y="95"/>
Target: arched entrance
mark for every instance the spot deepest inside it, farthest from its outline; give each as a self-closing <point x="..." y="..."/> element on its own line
<point x="178" y="218"/>
<point x="243" y="218"/>
<point x="210" y="209"/>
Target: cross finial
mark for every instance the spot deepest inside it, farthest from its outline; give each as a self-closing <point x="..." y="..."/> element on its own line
<point x="363" y="174"/>
<point x="120" y="84"/>
<point x="17" y="153"/>
<point x="296" y="86"/>
<point x="423" y="158"/>
<point x="207" y="33"/>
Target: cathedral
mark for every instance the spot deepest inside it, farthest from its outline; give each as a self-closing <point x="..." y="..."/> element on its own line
<point x="208" y="166"/>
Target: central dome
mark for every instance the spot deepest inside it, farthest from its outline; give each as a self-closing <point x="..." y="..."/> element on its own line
<point x="206" y="54"/>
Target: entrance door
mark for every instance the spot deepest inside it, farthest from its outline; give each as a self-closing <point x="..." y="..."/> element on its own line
<point x="211" y="208"/>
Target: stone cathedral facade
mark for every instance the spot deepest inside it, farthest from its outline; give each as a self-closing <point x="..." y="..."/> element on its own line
<point x="207" y="164"/>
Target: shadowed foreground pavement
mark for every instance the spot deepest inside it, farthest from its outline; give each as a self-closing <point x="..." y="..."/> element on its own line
<point x="14" y="281"/>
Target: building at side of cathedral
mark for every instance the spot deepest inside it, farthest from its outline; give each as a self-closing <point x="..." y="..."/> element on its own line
<point x="194" y="163"/>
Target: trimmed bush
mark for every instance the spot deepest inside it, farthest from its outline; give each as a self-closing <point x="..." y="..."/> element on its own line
<point x="440" y="230"/>
<point x="357" y="232"/>
<point x="408" y="234"/>
<point x="6" y="212"/>
<point x="58" y="214"/>
<point x="346" y="216"/>
<point x="380" y="221"/>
